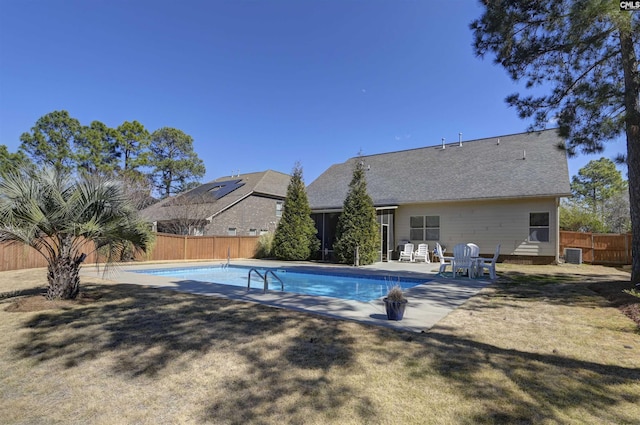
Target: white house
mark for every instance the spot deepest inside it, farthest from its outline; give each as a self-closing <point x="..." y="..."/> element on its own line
<point x="500" y="190"/>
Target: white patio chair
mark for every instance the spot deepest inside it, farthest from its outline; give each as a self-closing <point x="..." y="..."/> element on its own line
<point x="422" y="254"/>
<point x="475" y="249"/>
<point x="407" y="253"/>
<point x="482" y="264"/>
<point x="475" y="256"/>
<point x="462" y="260"/>
<point x="444" y="261"/>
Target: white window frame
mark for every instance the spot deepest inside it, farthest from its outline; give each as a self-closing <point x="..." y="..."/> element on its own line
<point x="414" y="230"/>
<point x="424" y="229"/>
<point x="427" y="228"/>
<point x="232" y="231"/>
<point x="532" y="228"/>
<point x="279" y="208"/>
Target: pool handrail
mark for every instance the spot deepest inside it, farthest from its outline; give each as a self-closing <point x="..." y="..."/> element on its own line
<point x="274" y="275"/>
<point x="249" y="277"/>
<point x="264" y="279"/>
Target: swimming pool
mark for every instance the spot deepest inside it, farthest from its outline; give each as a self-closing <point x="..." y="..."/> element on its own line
<point x="322" y="283"/>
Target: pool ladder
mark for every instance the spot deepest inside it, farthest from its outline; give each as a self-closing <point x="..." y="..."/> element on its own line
<point x="225" y="266"/>
<point x="264" y="279"/>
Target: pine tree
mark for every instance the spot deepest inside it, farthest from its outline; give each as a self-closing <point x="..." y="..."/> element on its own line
<point x="357" y="225"/>
<point x="581" y="60"/>
<point x="596" y="183"/>
<point x="295" y="237"/>
<point x="51" y="141"/>
<point x="176" y="166"/>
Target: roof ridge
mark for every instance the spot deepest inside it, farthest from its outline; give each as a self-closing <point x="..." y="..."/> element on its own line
<point x="452" y="143"/>
<point x="264" y="174"/>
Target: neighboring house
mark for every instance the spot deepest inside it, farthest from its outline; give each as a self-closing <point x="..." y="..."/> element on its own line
<point x="501" y="190"/>
<point x="241" y="205"/>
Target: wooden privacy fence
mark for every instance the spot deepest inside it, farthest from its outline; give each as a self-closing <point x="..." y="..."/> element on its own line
<point x="606" y="249"/>
<point x="599" y="248"/>
<point x="167" y="247"/>
<point x="175" y="247"/>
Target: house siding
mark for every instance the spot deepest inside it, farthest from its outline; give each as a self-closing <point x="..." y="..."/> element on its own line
<point x="486" y="223"/>
<point x="253" y="212"/>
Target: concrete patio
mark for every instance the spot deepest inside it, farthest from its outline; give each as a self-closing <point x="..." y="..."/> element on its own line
<point x="428" y="303"/>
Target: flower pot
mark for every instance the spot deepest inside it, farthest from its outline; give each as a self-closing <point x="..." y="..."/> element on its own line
<point x="395" y="309"/>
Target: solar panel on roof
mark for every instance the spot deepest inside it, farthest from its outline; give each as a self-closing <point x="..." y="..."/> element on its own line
<point x="215" y="189"/>
<point x="221" y="189"/>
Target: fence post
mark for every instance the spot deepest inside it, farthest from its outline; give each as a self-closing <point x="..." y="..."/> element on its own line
<point x="184" y="255"/>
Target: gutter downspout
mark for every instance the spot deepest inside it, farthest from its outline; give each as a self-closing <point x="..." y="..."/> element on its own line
<point x="557" y="231"/>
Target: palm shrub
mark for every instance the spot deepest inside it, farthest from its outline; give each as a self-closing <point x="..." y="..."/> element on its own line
<point x="60" y="216"/>
<point x="295" y="237"/>
<point x="357" y="225"/>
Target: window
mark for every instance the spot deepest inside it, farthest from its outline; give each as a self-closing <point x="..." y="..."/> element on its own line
<point x="424" y="228"/>
<point x="279" y="206"/>
<point x="432" y="228"/>
<point x="263" y="231"/>
<point x="231" y="231"/>
<point x="416" y="232"/>
<point x="253" y="232"/>
<point x="539" y="227"/>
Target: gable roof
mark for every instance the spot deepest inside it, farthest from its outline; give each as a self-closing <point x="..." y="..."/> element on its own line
<point x="512" y="166"/>
<point x="212" y="198"/>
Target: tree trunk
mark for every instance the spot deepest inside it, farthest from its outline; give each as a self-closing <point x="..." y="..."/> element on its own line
<point x="63" y="275"/>
<point x="632" y="126"/>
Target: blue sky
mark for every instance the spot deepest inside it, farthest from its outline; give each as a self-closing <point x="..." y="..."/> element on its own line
<point x="259" y="84"/>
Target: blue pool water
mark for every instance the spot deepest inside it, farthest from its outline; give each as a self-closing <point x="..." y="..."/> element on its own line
<point x="349" y="287"/>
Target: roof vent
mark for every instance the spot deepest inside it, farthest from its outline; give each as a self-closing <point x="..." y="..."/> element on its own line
<point x="524" y="154"/>
<point x="443" y="143"/>
<point x="459" y="139"/>
<point x="498" y="142"/>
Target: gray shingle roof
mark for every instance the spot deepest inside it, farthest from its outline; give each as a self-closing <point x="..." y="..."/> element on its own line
<point x="479" y="169"/>
<point x="200" y="203"/>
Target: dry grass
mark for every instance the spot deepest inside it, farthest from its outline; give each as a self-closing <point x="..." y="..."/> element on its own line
<point x="538" y="347"/>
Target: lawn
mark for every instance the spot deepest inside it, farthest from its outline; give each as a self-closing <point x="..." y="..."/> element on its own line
<point x="542" y="345"/>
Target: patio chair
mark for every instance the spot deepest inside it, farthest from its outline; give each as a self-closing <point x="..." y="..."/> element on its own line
<point x="462" y="261"/>
<point x="444" y="261"/>
<point x="422" y="254"/>
<point x="482" y="264"/>
<point x="475" y="257"/>
<point x="407" y="253"/>
<point x="475" y="249"/>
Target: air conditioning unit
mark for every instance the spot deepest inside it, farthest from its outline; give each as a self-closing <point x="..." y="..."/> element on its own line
<point x="573" y="255"/>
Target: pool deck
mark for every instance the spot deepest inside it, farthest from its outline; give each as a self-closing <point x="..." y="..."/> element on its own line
<point x="428" y="302"/>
